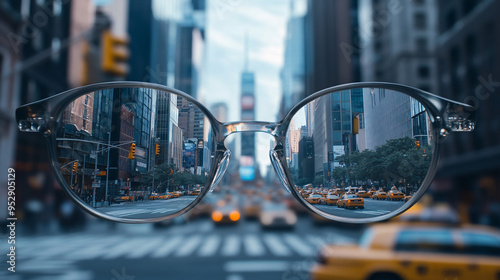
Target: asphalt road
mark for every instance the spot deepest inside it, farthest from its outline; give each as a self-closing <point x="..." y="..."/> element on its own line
<point x="148" y="208"/>
<point x="372" y="208"/>
<point x="195" y="250"/>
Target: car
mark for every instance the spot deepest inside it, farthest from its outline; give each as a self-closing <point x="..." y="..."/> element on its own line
<point x="314" y="198"/>
<point x="196" y="192"/>
<point x="379" y="195"/>
<point x="252" y="208"/>
<point x="407" y="197"/>
<point x="226" y="214"/>
<point x="153" y="196"/>
<point x="363" y="194"/>
<point x="395" y="195"/>
<point x="409" y="251"/>
<point x="331" y="199"/>
<point x="351" y="200"/>
<point x="372" y="191"/>
<point x="338" y="191"/>
<point x="276" y="215"/>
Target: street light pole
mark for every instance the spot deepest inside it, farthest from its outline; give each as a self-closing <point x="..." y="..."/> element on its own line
<point x="95" y="174"/>
<point x="107" y="169"/>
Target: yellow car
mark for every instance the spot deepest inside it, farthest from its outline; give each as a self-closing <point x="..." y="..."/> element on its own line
<point x="414" y="251"/>
<point x="352" y="201"/>
<point x="395" y="195"/>
<point x="379" y="195"/>
<point x="196" y="192"/>
<point x="331" y="199"/>
<point x="363" y="194"/>
<point x="314" y="198"/>
<point x="153" y="196"/>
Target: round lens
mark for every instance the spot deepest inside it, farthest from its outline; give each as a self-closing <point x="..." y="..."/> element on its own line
<point x="134" y="153"/>
<point x="359" y="153"/>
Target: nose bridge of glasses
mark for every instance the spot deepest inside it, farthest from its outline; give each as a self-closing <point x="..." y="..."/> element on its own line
<point x="249" y="126"/>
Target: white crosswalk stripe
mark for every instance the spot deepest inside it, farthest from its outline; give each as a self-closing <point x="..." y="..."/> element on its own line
<point x="231" y="246"/>
<point x="275" y="245"/>
<point x="124" y="247"/>
<point x="253" y="246"/>
<point x="210" y="246"/>
<point x="93" y="250"/>
<point x="168" y="247"/>
<point x="145" y="249"/>
<point x="189" y="246"/>
<point x="298" y="245"/>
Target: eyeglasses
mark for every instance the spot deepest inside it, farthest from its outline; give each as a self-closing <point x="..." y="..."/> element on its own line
<point x="138" y="152"/>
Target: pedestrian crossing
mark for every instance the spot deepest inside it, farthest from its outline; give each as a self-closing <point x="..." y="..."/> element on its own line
<point x="133" y="211"/>
<point x="332" y="209"/>
<point x="105" y="247"/>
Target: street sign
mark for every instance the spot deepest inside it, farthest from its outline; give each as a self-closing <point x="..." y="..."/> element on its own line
<point x="101" y="173"/>
<point x="96" y="184"/>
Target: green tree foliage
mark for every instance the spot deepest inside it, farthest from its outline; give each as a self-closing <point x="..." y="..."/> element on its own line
<point x="396" y="161"/>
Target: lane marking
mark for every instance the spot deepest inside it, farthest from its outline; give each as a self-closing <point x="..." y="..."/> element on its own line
<point x="275" y="245"/>
<point x="124" y="248"/>
<point x="143" y="250"/>
<point x="256" y="266"/>
<point x="299" y="245"/>
<point x="253" y="247"/>
<point x="189" y="246"/>
<point x="210" y="246"/>
<point x="231" y="246"/>
<point x="168" y="247"/>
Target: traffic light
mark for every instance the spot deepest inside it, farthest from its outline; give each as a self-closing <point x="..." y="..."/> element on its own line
<point x="131" y="151"/>
<point x="355" y="125"/>
<point x="114" y="54"/>
<point x="157" y="149"/>
<point x="75" y="165"/>
<point x="417" y="143"/>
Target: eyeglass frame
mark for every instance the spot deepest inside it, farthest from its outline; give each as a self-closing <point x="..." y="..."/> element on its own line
<point x="445" y="116"/>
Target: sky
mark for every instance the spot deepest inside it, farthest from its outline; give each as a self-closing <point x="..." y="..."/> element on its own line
<point x="264" y="24"/>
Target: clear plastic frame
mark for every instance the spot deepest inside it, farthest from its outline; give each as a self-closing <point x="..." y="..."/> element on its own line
<point x="314" y="153"/>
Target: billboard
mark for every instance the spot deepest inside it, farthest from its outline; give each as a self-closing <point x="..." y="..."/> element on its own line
<point x="188" y="154"/>
<point x="247" y="169"/>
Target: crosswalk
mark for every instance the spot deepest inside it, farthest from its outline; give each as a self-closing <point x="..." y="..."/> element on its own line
<point x="96" y="246"/>
<point x="365" y="211"/>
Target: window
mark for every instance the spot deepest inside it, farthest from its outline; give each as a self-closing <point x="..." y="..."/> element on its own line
<point x="426" y="240"/>
<point x="420" y="21"/>
<point x="423" y="71"/>
<point x="477" y="243"/>
<point x="421" y="44"/>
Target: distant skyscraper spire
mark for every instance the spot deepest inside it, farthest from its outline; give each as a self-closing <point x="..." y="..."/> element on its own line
<point x="245" y="66"/>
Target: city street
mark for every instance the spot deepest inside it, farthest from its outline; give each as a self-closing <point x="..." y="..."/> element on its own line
<point x="372" y="208"/>
<point x="194" y="250"/>
<point x="147" y="209"/>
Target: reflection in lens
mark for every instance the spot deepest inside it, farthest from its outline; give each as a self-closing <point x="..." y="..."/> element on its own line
<point x="134" y="153"/>
<point x="366" y="150"/>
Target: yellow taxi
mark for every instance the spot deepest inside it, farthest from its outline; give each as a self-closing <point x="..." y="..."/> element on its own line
<point x="196" y="192"/>
<point x="314" y="198"/>
<point x="338" y="191"/>
<point x="395" y="195"/>
<point x="363" y="194"/>
<point x="397" y="251"/>
<point x="331" y="199"/>
<point x="153" y="196"/>
<point x="379" y="195"/>
<point x="372" y="191"/>
<point x="351" y="200"/>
